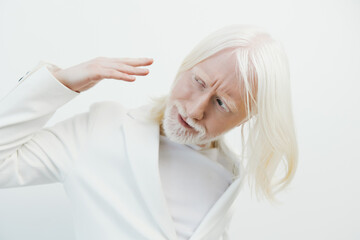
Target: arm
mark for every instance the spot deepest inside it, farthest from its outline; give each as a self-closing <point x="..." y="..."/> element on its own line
<point x="30" y="154"/>
<point x="23" y="112"/>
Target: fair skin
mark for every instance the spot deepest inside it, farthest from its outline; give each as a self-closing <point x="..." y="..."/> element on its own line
<point x="209" y="96"/>
<point x="85" y="75"/>
<point x="208" y="93"/>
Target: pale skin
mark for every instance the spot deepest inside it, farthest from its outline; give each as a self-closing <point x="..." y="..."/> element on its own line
<point x="85" y="75"/>
<point x="209" y="92"/>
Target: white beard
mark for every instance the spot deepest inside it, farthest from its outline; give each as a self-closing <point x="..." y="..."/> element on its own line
<point x="180" y="134"/>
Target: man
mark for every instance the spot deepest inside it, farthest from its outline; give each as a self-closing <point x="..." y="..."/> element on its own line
<point x="160" y="171"/>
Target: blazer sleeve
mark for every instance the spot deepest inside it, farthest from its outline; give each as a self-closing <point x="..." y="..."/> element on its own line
<point x="29" y="153"/>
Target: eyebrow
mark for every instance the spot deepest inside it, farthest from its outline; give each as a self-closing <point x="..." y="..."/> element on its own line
<point x="227" y="99"/>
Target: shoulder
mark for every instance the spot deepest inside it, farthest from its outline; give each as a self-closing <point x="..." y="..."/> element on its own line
<point x="106" y="114"/>
<point x="230" y="160"/>
<point x="111" y="112"/>
<point x="107" y="107"/>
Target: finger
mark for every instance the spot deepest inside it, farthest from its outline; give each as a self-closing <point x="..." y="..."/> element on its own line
<point x="127" y="69"/>
<point x="135" y="62"/>
<point x="114" y="74"/>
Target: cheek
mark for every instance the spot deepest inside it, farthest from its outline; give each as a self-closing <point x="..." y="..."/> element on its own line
<point x="218" y="125"/>
<point x="214" y="126"/>
<point x="182" y="90"/>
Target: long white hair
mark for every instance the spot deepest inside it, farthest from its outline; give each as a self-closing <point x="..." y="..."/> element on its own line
<point x="263" y="72"/>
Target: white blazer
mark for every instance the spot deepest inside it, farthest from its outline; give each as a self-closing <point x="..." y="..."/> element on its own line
<point x="107" y="160"/>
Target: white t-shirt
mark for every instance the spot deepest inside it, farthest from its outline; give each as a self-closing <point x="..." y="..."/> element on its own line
<point x="192" y="180"/>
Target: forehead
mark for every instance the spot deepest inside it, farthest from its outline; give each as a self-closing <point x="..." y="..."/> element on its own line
<point x="220" y="66"/>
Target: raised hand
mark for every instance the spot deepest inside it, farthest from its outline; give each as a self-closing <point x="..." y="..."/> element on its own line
<point x="85" y="75"/>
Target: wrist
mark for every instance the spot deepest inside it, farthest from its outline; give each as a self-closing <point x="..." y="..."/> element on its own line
<point x="58" y="74"/>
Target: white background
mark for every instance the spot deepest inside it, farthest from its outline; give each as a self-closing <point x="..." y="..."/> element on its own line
<point x="322" y="39"/>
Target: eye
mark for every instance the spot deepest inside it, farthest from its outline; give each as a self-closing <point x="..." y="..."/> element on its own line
<point x="199" y="81"/>
<point x="221" y="104"/>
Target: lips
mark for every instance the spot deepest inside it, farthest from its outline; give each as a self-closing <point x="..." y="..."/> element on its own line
<point x="183" y="122"/>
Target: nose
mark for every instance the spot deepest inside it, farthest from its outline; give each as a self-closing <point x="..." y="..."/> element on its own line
<point x="196" y="108"/>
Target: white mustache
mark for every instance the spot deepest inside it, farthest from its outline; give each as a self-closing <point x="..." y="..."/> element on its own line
<point x="189" y="121"/>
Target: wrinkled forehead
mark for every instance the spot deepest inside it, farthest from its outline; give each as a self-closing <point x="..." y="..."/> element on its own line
<point x="221" y="65"/>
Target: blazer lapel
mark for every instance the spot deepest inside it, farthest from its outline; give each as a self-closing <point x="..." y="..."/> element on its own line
<point x="217" y="211"/>
<point x="142" y="141"/>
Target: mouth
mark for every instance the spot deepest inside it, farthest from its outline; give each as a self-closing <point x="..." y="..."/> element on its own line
<point x="183" y="122"/>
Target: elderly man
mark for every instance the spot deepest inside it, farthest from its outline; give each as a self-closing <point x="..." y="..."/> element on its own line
<point x="161" y="171"/>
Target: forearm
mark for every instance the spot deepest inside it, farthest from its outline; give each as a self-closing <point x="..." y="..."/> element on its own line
<point x="28" y="107"/>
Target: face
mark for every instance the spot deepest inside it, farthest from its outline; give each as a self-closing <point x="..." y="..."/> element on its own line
<point x="205" y="102"/>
